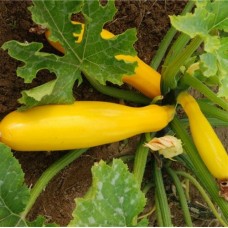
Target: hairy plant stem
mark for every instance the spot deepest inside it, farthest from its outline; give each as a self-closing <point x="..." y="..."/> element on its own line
<point x="147" y="187"/>
<point x="124" y="158"/>
<point x="204" y="195"/>
<point x="182" y="197"/>
<point x="161" y="201"/>
<point x="213" y="111"/>
<point x="140" y="161"/>
<point x="213" y="121"/>
<point x="187" y="189"/>
<point x="158" y="212"/>
<point x="141" y="157"/>
<point x="140" y="164"/>
<point x="199" y="168"/>
<point x="169" y="75"/>
<point x="201" y="87"/>
<point x="217" y="122"/>
<point x="156" y="61"/>
<point x="119" y="93"/>
<point x="184" y="159"/>
<point x="47" y="175"/>
<point x="175" y="50"/>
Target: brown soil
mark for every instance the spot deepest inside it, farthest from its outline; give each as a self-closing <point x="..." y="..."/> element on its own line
<point x="57" y="200"/>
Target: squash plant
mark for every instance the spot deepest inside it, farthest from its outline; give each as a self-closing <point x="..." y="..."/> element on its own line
<point x="116" y="191"/>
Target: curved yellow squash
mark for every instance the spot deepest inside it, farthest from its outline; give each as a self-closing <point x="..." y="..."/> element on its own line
<point x="207" y="142"/>
<point x="79" y="125"/>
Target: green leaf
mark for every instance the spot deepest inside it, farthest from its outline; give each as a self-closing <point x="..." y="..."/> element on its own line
<point x="94" y="56"/>
<point x="13" y="193"/>
<point x="210" y="22"/>
<point x="222" y="57"/>
<point x="215" y="65"/>
<point x="207" y="17"/>
<point x="209" y="66"/>
<point x="114" y="198"/>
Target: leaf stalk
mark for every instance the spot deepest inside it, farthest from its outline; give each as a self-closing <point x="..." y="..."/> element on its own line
<point x="119" y="93"/>
<point x="169" y="75"/>
<point x="182" y="197"/>
<point x="156" y="61"/>
<point x="161" y="201"/>
<point x="213" y="111"/>
<point x="47" y="175"/>
<point x="204" y="195"/>
<point x="198" y="85"/>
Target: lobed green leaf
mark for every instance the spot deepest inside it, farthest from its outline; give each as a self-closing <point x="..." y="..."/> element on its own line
<point x="94" y="55"/>
<point x="114" y="198"/>
<point x="14" y="194"/>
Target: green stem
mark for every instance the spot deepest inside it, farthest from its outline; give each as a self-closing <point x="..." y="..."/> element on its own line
<point x="198" y="85"/>
<point x="175" y="50"/>
<point x="45" y="178"/>
<point x="187" y="188"/>
<point x="141" y="157"/>
<point x="119" y="93"/>
<point x="169" y="75"/>
<point x="158" y="212"/>
<point x="162" y="201"/>
<point x="156" y="61"/>
<point x="213" y="121"/>
<point x="184" y="159"/>
<point x="125" y="158"/>
<point x="213" y="111"/>
<point x="182" y="197"/>
<point x="200" y="170"/>
<point x="217" y="123"/>
<point x="140" y="165"/>
<point x="147" y="187"/>
<point x="140" y="161"/>
<point x="204" y="195"/>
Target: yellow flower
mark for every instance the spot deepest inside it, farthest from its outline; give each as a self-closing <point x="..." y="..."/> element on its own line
<point x="169" y="146"/>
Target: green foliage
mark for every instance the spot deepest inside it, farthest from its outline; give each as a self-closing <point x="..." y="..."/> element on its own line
<point x="114" y="198"/>
<point x="93" y="56"/>
<point x="14" y="194"/>
<point x="210" y="22"/>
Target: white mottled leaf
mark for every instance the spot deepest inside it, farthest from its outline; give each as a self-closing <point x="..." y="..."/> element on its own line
<point x="113" y="200"/>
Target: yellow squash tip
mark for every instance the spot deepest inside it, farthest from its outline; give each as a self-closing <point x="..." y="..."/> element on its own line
<point x="207" y="142"/>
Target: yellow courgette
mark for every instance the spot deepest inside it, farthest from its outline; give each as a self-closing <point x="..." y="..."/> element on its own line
<point x="207" y="142"/>
<point x="79" y="125"/>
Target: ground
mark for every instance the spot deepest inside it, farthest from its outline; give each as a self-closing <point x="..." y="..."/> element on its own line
<point x="57" y="200"/>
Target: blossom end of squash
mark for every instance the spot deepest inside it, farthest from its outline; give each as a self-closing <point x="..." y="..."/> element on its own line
<point x="223" y="187"/>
